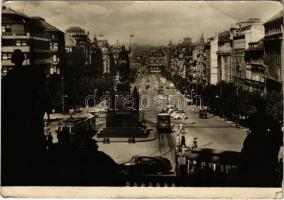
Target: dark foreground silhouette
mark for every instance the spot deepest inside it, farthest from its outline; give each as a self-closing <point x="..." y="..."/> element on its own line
<point x="260" y="149"/>
<point x="25" y="157"/>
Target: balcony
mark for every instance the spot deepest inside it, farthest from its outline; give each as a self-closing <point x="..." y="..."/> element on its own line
<point x="11" y="35"/>
<point x="42" y="61"/>
<point x="273" y="32"/>
<point x="224" y="52"/>
<point x="6" y="49"/>
<point x="9" y="63"/>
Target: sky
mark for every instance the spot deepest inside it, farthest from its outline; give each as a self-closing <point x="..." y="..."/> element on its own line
<point x="151" y="22"/>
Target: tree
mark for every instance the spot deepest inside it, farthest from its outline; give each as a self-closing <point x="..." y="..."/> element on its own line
<point x="275" y="105"/>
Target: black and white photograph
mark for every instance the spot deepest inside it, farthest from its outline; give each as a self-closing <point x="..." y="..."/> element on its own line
<point x="142" y="94"/>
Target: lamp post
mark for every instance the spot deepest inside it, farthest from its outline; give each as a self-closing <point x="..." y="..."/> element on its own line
<point x="217" y="100"/>
<point x="62" y="94"/>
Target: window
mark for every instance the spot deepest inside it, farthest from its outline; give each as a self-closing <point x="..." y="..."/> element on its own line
<point x="4" y="56"/>
<point x="145" y="159"/>
<point x="3" y="29"/>
<point x="8" y="28"/>
<point x="4" y="71"/>
<point x="24" y="43"/>
<point x="18" y="43"/>
<point x="8" y="42"/>
<point x="55" y="46"/>
<point x="51" y="70"/>
<point x="54" y="59"/>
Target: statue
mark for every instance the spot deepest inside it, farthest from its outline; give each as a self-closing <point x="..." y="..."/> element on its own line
<point x="123" y="64"/>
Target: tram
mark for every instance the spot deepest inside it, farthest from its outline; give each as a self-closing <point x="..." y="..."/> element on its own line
<point x="201" y="161"/>
<point x="76" y="126"/>
<point x="164" y="123"/>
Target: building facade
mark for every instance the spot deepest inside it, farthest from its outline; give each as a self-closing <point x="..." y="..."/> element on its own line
<point x="212" y="60"/>
<point x="273" y="51"/>
<point x="255" y="69"/>
<point x="19" y="32"/>
<point x="155" y="61"/>
<point x="57" y="44"/>
<point x="243" y="34"/>
<point x="224" y="56"/>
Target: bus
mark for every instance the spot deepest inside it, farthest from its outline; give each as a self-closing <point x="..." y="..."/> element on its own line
<point x="164" y="123"/>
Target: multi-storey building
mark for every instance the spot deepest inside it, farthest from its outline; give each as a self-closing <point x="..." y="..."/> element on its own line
<point x="179" y="61"/>
<point x="75" y="51"/>
<point x="83" y="42"/>
<point x="224" y="55"/>
<point x="57" y="44"/>
<point x="243" y="34"/>
<point x="197" y="64"/>
<point x="201" y="67"/>
<point x="211" y="48"/>
<point x="273" y="51"/>
<point x="255" y="69"/>
<point x="155" y="61"/>
<point x="19" y="32"/>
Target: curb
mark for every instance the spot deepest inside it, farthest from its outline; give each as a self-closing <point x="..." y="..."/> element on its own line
<point x="126" y="140"/>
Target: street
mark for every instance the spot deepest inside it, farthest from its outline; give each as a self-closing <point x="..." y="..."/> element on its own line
<point x="213" y="132"/>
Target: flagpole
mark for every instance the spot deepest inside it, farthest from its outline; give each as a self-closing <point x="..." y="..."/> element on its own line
<point x="130" y="36"/>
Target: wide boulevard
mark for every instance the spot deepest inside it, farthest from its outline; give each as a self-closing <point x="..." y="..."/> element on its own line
<point x="214" y="132"/>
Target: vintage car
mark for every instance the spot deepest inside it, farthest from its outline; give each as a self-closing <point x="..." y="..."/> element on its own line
<point x="142" y="165"/>
<point x="203" y="114"/>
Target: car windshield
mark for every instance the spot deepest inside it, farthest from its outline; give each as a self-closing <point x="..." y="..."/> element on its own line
<point x="133" y="159"/>
<point x="179" y="111"/>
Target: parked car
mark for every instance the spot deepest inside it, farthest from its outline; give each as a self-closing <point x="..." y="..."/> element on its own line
<point x="141" y="165"/>
<point x="178" y="114"/>
<point x="189" y="101"/>
<point x="203" y="114"/>
<point x="170" y="110"/>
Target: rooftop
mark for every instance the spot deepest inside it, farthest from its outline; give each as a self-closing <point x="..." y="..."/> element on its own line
<point x="38" y="21"/>
<point x="75" y="29"/>
<point x="275" y="17"/>
<point x="7" y="10"/>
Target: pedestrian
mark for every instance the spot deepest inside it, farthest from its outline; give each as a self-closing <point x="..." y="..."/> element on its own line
<point x="194" y="145"/>
<point x="178" y="140"/>
<point x="259" y="155"/>
<point x="183" y="141"/>
<point x="183" y="167"/>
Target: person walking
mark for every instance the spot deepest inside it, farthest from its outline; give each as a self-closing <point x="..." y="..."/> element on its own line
<point x="183" y="140"/>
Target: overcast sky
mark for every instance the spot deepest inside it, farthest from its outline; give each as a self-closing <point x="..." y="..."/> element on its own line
<point x="151" y="22"/>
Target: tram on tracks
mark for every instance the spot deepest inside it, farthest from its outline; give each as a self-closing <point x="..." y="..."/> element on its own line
<point x="164" y="123"/>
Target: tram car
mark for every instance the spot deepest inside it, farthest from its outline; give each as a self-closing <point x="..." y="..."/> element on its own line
<point x="164" y="122"/>
<point x="77" y="126"/>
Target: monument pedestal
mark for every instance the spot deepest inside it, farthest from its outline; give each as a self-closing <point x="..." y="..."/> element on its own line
<point x="123" y="115"/>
